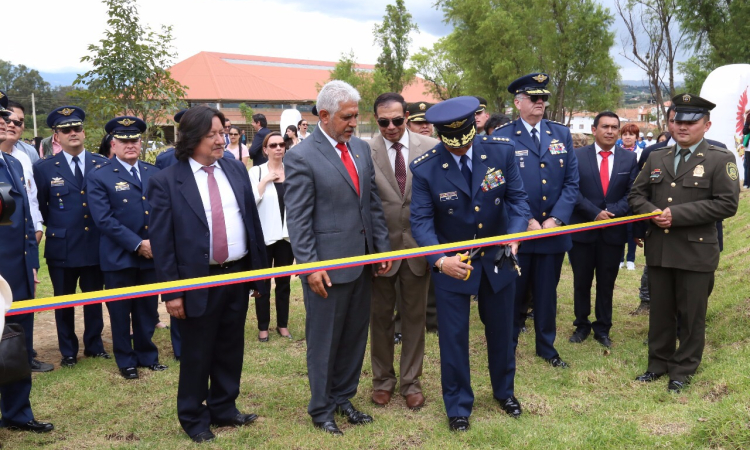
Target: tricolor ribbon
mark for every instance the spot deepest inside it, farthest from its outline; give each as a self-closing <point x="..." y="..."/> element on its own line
<point x="109" y="295"/>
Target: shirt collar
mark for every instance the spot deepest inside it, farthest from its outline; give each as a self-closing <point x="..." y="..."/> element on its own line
<point x="599" y="149"/>
<point x="128" y="166"/>
<point x="195" y="166"/>
<point x="530" y="127"/>
<point x="691" y="148"/>
<point x="333" y="141"/>
<point x="469" y="154"/>
<point x="404" y="141"/>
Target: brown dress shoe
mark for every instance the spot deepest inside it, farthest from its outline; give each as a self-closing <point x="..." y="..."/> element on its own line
<point x="414" y="401"/>
<point x="381" y="397"/>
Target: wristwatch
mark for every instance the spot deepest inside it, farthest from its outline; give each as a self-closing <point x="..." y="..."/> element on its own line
<point x="558" y="222"/>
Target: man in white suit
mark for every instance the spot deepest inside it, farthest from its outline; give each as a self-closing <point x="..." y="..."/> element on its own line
<point x="392" y="151"/>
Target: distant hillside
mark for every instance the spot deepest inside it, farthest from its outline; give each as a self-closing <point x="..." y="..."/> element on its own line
<point x="59" y="78"/>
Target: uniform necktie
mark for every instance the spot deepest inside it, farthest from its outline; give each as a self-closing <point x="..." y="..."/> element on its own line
<point x="465" y="171"/>
<point x="349" y="164"/>
<point x="135" y="175"/>
<point x="400" y="167"/>
<point x="535" y="138"/>
<point x="683" y="152"/>
<point x="77" y="172"/>
<point x="604" y="171"/>
<point x="218" y="227"/>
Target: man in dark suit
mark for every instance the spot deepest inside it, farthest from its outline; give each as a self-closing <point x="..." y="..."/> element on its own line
<point x="256" y="147"/>
<point x="117" y="194"/>
<point x="548" y="166"/>
<point x="19" y="261"/>
<point x="72" y="246"/>
<point x="334" y="211"/>
<point x="204" y="222"/>
<point x="606" y="174"/>
<point x="693" y="184"/>
<point x="463" y="188"/>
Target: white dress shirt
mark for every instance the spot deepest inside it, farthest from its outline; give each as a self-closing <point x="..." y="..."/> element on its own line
<point x="235" y="225"/>
<point x="128" y="167"/>
<point x="81" y="162"/>
<point x="274" y="229"/>
<point x="30" y="185"/>
<point x="404" y="141"/>
<point x="610" y="160"/>
<point x="338" y="152"/>
<point x="530" y="127"/>
<point x="468" y="155"/>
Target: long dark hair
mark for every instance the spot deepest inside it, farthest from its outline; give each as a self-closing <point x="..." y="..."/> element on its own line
<point x="239" y="140"/>
<point x="195" y="124"/>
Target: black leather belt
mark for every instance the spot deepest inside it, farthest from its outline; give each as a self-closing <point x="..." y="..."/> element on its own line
<point x="227" y="264"/>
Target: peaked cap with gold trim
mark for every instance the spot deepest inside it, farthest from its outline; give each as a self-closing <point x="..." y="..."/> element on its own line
<point x="531" y="84"/>
<point x="689" y="107"/>
<point x="417" y="110"/>
<point x="125" y="127"/>
<point x="66" y="116"/>
<point x="454" y="120"/>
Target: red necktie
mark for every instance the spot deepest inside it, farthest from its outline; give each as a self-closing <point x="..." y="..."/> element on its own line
<point x="218" y="227"/>
<point x="400" y="167"/>
<point x="349" y="164"/>
<point x="604" y="171"/>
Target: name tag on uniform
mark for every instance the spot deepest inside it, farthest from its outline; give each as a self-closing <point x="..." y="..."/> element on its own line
<point x="522" y="153"/>
<point x="57" y="181"/>
<point x="656" y="173"/>
<point x="556" y="147"/>
<point x="493" y="180"/>
<point x="445" y="196"/>
<point x="122" y="186"/>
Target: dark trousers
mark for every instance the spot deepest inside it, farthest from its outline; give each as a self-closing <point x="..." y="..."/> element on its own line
<point x="214" y="345"/>
<point x="630" y="256"/>
<point x="540" y="273"/>
<point x="15" y="406"/>
<point x="746" y="164"/>
<point x="495" y="311"/>
<point x="586" y="259"/>
<point x="677" y="295"/>
<point x="64" y="282"/>
<point x="279" y="254"/>
<point x="336" y="331"/>
<point x="141" y="351"/>
<point x="643" y="293"/>
<point x="175" y="336"/>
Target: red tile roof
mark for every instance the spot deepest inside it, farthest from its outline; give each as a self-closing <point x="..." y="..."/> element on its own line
<point x="231" y="78"/>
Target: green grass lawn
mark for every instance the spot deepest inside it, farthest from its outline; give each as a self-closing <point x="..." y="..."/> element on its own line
<point x="594" y="404"/>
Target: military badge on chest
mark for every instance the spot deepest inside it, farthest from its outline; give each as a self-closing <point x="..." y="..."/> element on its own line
<point x="122" y="186"/>
<point x="557" y="148"/>
<point x="493" y="179"/>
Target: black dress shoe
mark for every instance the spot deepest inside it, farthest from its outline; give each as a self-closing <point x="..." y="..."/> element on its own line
<point x="557" y="362"/>
<point x="158" y="367"/>
<point x="288" y="336"/>
<point x="577" y="337"/>
<point x="648" y="377"/>
<point x="397" y="338"/>
<point x="204" y="436"/>
<point x="511" y="406"/>
<point x="354" y="416"/>
<point x="458" y="423"/>
<point x="328" y="427"/>
<point x="262" y="339"/>
<point x="675" y="386"/>
<point x="38" y="366"/>
<point x="604" y="340"/>
<point x="129" y="373"/>
<point x="33" y="426"/>
<point x="238" y="421"/>
<point x="68" y="361"/>
<point x="103" y="355"/>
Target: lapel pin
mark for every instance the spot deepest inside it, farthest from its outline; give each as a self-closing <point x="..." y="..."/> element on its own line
<point x="445" y="166"/>
<point x="484" y="156"/>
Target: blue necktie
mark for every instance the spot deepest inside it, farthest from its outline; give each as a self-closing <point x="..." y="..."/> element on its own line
<point x="465" y="171"/>
<point x="135" y="175"/>
<point x="77" y="172"/>
<point x="535" y="138"/>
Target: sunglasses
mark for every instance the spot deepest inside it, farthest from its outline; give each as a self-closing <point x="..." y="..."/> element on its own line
<point x="397" y="122"/>
<point x="234" y="134"/>
<point x="303" y="125"/>
<point x="536" y="98"/>
<point x="68" y="130"/>
<point x="276" y="145"/>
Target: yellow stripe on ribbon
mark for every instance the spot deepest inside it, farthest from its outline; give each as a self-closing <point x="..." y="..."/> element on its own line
<point x="66" y="301"/>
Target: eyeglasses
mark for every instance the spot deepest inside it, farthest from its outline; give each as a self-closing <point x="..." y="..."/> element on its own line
<point x="397" y="122"/>
<point x="234" y="134"/>
<point x="536" y="98"/>
<point x="68" y="130"/>
<point x="18" y="123"/>
<point x="276" y="145"/>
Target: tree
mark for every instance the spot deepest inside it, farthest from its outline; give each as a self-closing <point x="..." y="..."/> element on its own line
<point x="130" y="73"/>
<point x="653" y="41"/>
<point x="716" y="29"/>
<point x="19" y="82"/>
<point x="443" y="75"/>
<point x="392" y="35"/>
<point x="369" y="84"/>
<point x="247" y="112"/>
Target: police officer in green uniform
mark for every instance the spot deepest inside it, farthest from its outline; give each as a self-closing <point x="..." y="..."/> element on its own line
<point x="695" y="185"/>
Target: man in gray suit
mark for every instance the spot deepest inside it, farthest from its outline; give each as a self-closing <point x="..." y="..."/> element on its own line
<point x="392" y="151"/>
<point x="334" y="211"/>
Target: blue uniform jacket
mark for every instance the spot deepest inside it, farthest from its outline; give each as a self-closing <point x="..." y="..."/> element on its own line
<point x="550" y="177"/>
<point x="591" y="199"/>
<point x="72" y="236"/>
<point x="444" y="209"/>
<point x="19" y="254"/>
<point x="166" y="158"/>
<point x="121" y="212"/>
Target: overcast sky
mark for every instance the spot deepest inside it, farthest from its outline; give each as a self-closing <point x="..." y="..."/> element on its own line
<point x="282" y="28"/>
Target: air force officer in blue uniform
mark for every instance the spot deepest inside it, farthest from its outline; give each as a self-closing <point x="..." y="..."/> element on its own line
<point x="469" y="187"/>
<point x="547" y="163"/>
<point x="72" y="248"/>
<point x="117" y="194"/>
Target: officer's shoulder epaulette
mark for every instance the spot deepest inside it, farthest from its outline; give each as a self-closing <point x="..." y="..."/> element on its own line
<point x="100" y="156"/>
<point x="147" y="164"/>
<point x="560" y="124"/>
<point x="100" y="164"/>
<point x="495" y="140"/>
<point x="46" y="158"/>
<point x="718" y="149"/>
<point x="424" y="157"/>
<point x="504" y="125"/>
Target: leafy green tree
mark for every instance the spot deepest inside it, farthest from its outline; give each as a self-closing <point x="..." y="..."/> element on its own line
<point x="247" y="112"/>
<point x="392" y="35"/>
<point x="443" y="75"/>
<point x="130" y="72"/>
<point x="718" y="33"/>
<point x="369" y="84"/>
<point x="19" y="82"/>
